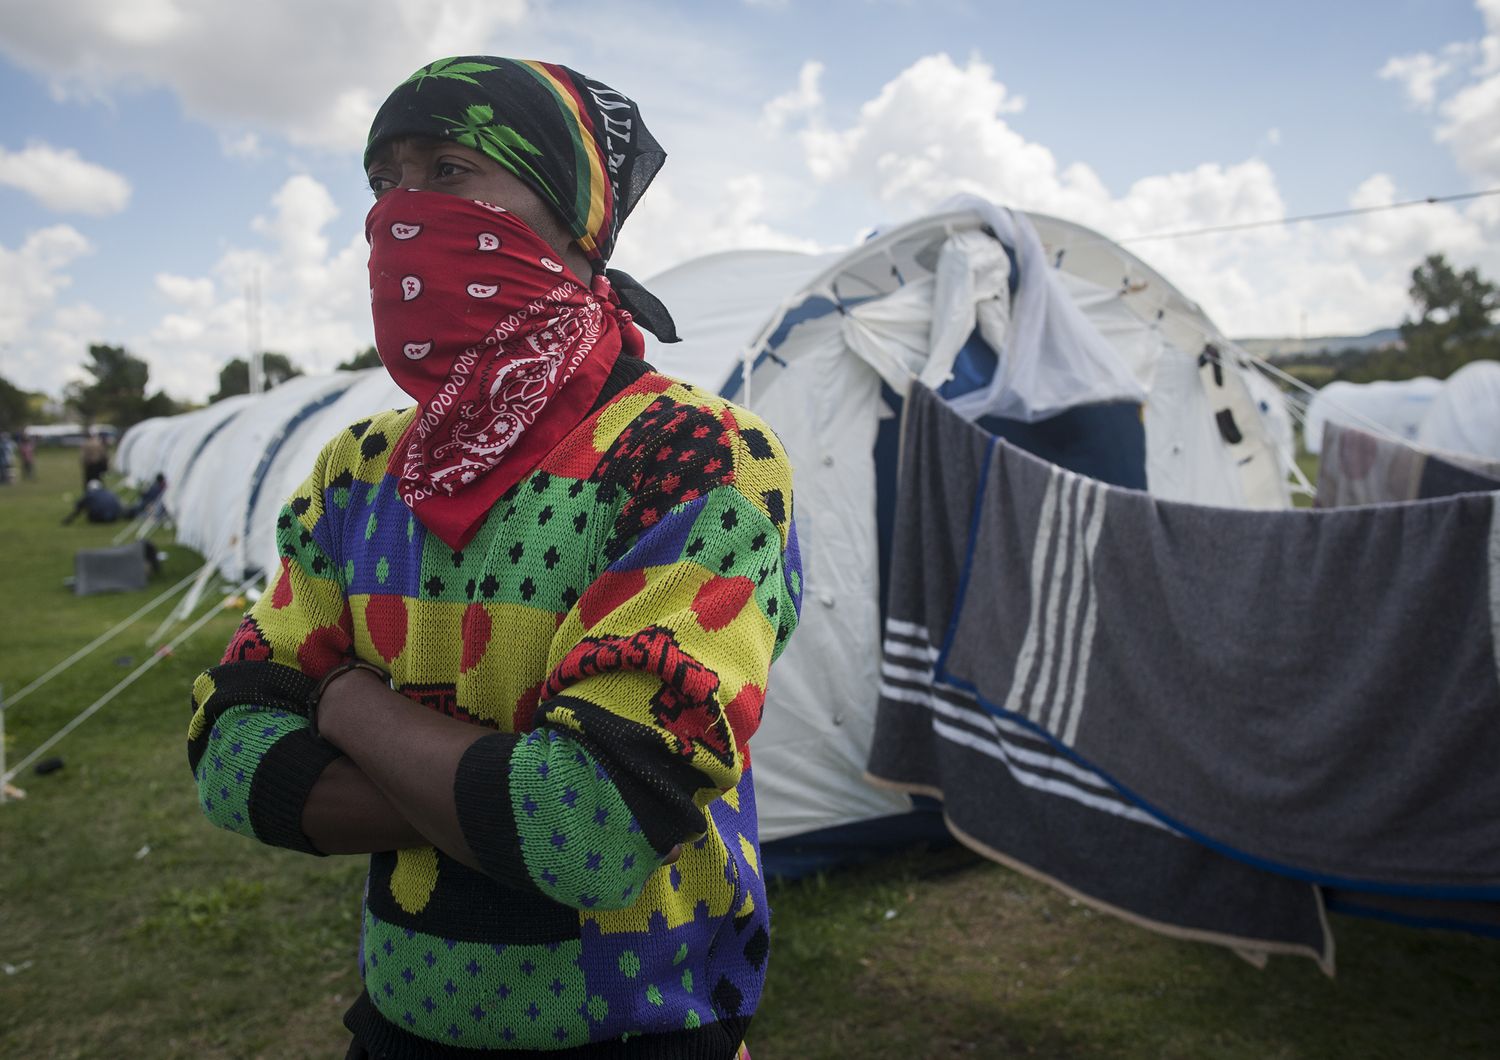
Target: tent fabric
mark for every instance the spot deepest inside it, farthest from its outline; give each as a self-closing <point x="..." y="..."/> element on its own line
<point x="1051" y="357"/>
<point x="1393" y="407"/>
<point x="1353" y="754"/>
<point x="211" y="502"/>
<point x="1464" y="418"/>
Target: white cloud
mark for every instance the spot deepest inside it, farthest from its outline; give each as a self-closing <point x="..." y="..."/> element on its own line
<point x="939" y="128"/>
<point x="313" y="71"/>
<point x="37" y="332"/>
<point x="309" y="273"/>
<point x="1418" y="75"/>
<point x="309" y="268"/>
<point x="242" y="145"/>
<point x="61" y="181"/>
<point x="669" y="227"/>
<point x="1469" y="117"/>
<point x="803" y="99"/>
<point x="186" y="291"/>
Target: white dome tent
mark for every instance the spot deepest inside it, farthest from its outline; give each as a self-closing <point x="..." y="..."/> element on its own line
<point x="1393" y="407"/>
<point x="836" y="331"/>
<point x="217" y="462"/>
<point x="1464" y="416"/>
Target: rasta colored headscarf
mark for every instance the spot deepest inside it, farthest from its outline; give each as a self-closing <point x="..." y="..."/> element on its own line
<point x="577" y="143"/>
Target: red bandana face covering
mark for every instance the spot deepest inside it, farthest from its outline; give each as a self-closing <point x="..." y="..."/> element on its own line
<point x="503" y="348"/>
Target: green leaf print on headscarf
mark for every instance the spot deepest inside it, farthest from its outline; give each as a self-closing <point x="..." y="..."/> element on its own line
<point x="478" y="130"/>
<point x="449" y="68"/>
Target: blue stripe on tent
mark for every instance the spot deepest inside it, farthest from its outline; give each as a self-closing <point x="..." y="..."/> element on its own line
<point x="808" y="309"/>
<point x="258" y="477"/>
<point x="187" y="468"/>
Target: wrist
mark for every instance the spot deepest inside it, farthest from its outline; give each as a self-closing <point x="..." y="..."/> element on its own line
<point x="333" y="702"/>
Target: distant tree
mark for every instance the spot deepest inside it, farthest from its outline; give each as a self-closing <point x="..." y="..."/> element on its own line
<point x="15" y="406"/>
<point x="234" y="377"/>
<point x="1459" y="301"/>
<point x="117" y="392"/>
<point x="1452" y="327"/>
<point x="368" y="358"/>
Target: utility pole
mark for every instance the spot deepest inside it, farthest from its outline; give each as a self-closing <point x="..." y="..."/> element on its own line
<point x="252" y="326"/>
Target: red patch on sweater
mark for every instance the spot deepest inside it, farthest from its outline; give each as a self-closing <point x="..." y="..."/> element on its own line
<point x="744" y="711"/>
<point x="719" y="600"/>
<point x="697" y="724"/>
<point x="385" y="616"/>
<point x="282" y="594"/>
<point x="609" y="591"/>
<point x="524" y="718"/>
<point x="248" y="644"/>
<point x="476" y="631"/>
<point x="322" y="650"/>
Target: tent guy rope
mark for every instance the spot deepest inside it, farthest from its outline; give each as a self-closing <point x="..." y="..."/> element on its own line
<point x="107" y="635"/>
<point x="129" y="679"/>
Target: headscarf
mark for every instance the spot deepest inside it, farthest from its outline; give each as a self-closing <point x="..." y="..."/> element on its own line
<point x="577" y="143"/>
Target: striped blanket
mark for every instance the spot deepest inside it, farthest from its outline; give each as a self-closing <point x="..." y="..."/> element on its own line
<point x="1194" y="717"/>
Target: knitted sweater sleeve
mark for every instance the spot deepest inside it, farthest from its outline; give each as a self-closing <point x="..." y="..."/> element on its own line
<point x="658" y="672"/>
<point x="252" y="753"/>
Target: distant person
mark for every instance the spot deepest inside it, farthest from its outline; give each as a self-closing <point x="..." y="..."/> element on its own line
<point x="7" y="458"/>
<point x="94" y="457"/>
<point x="26" y="446"/>
<point x="150" y="499"/>
<point x="97" y="504"/>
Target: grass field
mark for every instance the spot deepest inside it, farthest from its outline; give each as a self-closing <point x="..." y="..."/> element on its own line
<point x="130" y="928"/>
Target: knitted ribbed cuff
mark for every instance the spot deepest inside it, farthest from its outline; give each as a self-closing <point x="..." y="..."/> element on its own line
<point x="283" y="781"/>
<point x="481" y="796"/>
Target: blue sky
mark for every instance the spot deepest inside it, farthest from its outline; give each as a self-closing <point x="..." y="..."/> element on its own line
<point x="154" y="154"/>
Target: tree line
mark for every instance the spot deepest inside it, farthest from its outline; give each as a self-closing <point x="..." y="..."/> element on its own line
<point x="117" y="389"/>
<point x="1452" y="327"/>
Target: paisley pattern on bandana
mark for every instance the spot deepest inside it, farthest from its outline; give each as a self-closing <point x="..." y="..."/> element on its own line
<point x="504" y="349"/>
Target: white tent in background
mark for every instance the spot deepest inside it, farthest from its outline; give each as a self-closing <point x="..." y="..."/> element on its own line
<point x="1393" y="407"/>
<point x="810" y="341"/>
<point x="1464" y="416"/>
<point x="221" y="458"/>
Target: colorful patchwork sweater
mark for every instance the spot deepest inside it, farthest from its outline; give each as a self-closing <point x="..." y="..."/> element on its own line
<point x="612" y="621"/>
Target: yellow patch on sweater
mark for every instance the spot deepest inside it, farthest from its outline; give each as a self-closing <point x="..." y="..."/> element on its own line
<point x="414" y="878"/>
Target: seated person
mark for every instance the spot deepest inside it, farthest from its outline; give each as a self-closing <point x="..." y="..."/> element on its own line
<point x="150" y="498"/>
<point x="98" y="504"/>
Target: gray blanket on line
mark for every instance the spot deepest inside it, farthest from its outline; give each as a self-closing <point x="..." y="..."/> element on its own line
<point x="1313" y="691"/>
<point x="1007" y="789"/>
<point x="1362" y="468"/>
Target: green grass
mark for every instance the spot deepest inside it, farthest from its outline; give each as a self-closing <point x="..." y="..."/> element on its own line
<point x="208" y="945"/>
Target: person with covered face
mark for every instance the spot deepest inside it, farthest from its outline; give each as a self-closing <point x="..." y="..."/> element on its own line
<point x="520" y="634"/>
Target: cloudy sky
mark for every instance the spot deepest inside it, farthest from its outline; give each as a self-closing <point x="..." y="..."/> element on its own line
<point x="155" y="155"/>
